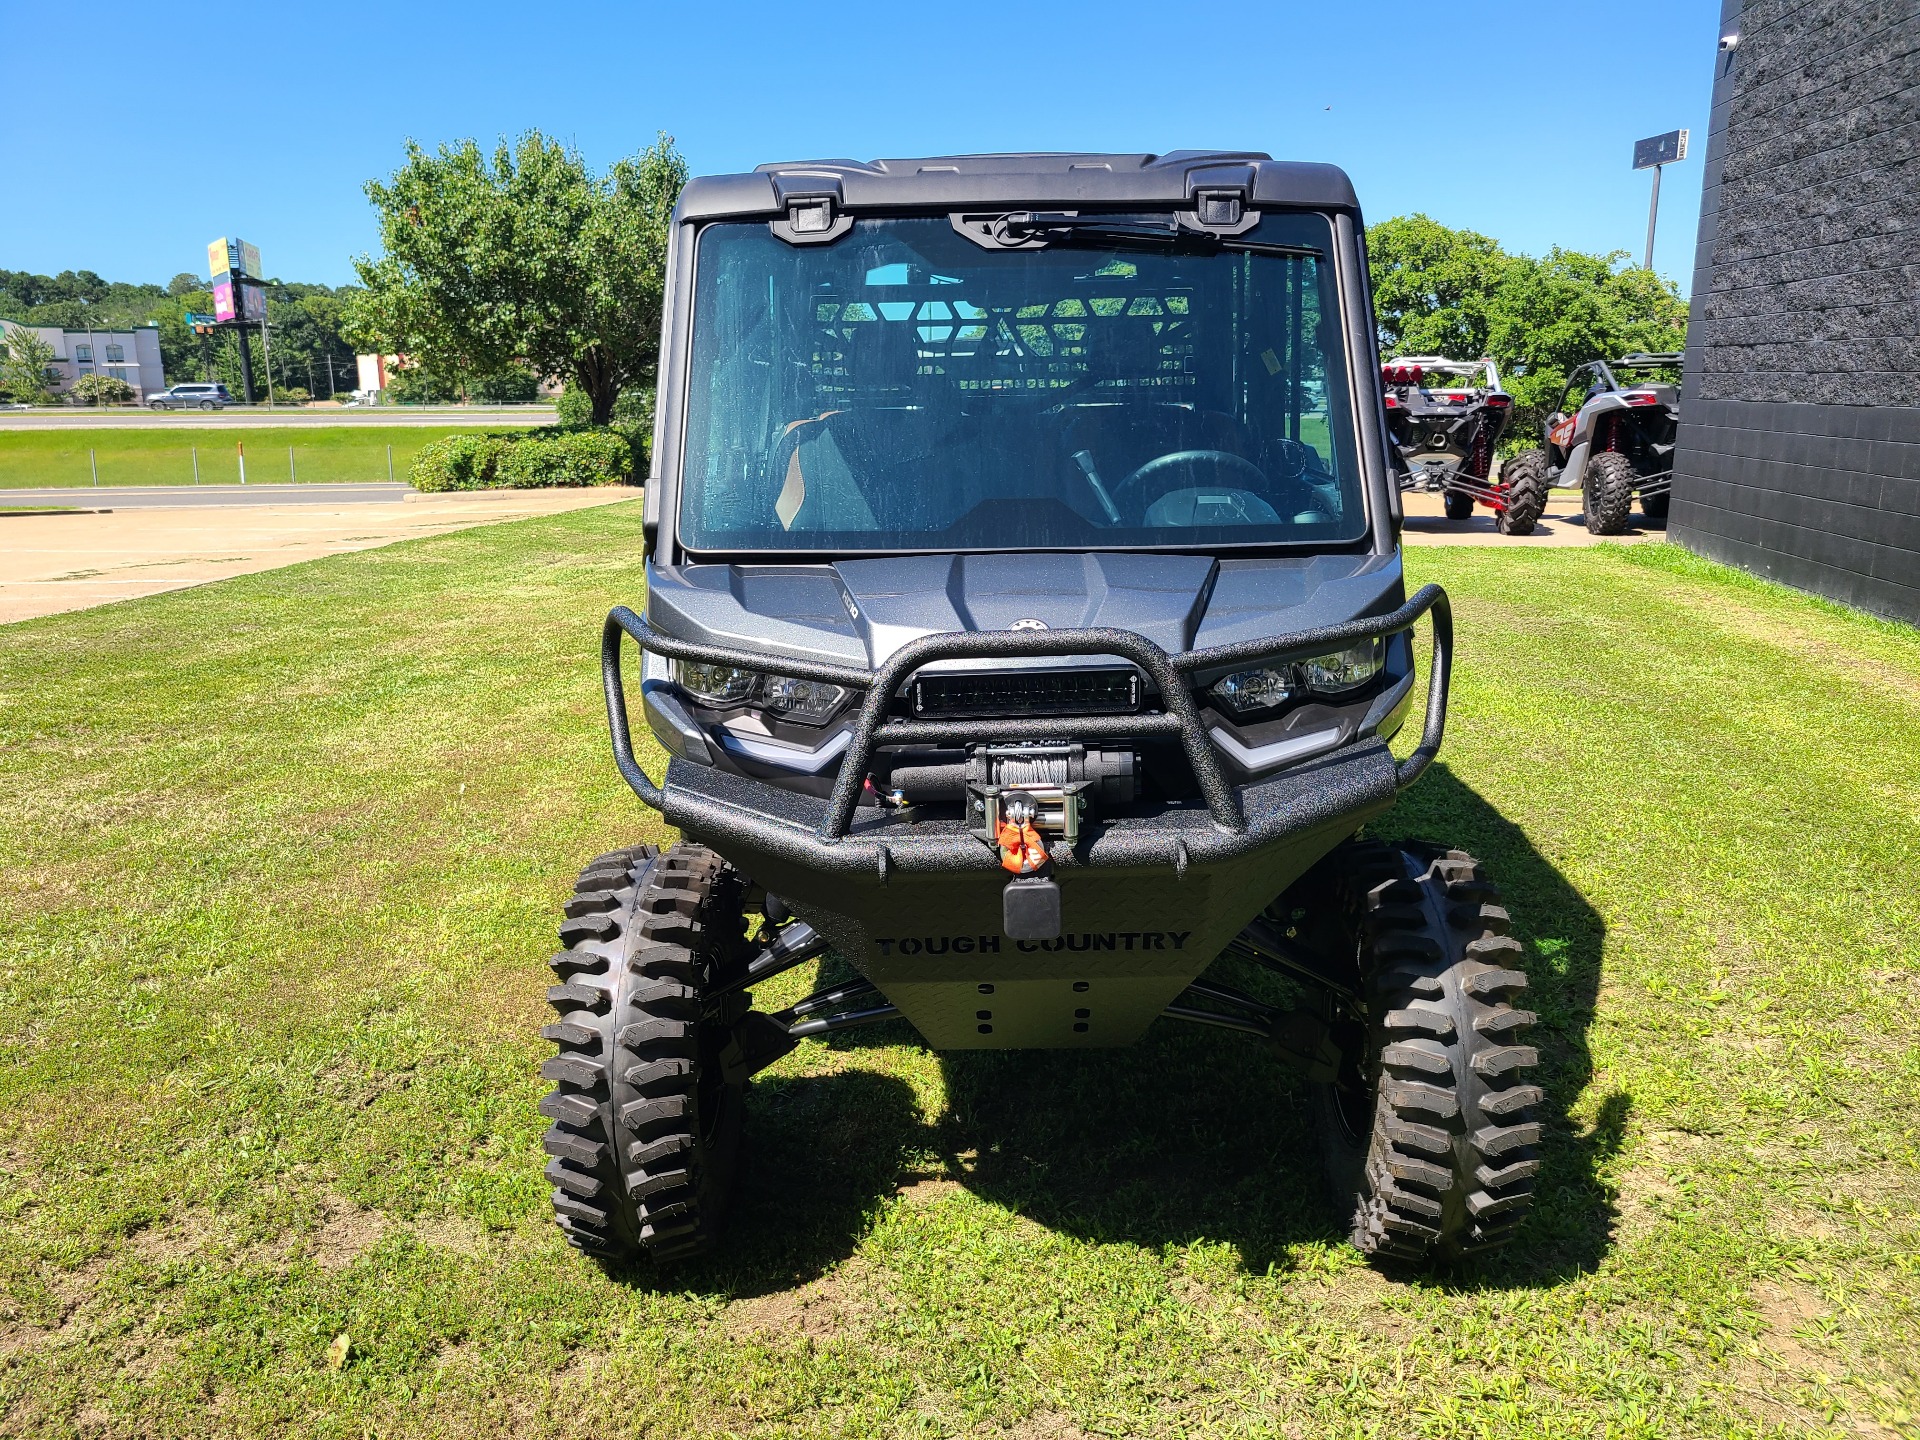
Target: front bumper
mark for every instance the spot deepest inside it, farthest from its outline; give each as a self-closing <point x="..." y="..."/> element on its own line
<point x="1148" y="900"/>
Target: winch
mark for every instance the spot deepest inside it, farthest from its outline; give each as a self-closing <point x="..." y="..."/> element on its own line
<point x="1055" y="785"/>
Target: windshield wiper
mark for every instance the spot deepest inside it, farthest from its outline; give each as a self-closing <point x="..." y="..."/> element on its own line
<point x="1054" y="228"/>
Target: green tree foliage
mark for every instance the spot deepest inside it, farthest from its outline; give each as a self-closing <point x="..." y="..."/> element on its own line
<point x="1433" y="288"/>
<point x="525" y="258"/>
<point x="26" y="363"/>
<point x="417" y="384"/>
<point x="1457" y="293"/>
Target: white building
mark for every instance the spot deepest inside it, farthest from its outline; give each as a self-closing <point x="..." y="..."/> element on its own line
<point x="129" y="355"/>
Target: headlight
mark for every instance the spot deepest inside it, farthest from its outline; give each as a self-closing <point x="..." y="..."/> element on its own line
<point x="811" y="702"/>
<point x="1252" y="690"/>
<point x="716" y="684"/>
<point x="808" y="701"/>
<point x="1247" y="692"/>
<point x="1344" y="670"/>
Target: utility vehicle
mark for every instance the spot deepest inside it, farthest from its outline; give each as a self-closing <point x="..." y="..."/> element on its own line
<point x="1609" y="439"/>
<point x="1025" y="623"/>
<point x="1446" y="418"/>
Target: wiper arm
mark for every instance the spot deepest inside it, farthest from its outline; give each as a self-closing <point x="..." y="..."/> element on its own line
<point x="1052" y="228"/>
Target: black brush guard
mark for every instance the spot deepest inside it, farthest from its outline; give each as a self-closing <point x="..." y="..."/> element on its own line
<point x="868" y="883"/>
<point x="875" y="729"/>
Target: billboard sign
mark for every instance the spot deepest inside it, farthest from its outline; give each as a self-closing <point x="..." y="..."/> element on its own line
<point x="1660" y="149"/>
<point x="253" y="301"/>
<point x="223" y="299"/>
<point x="226" y="256"/>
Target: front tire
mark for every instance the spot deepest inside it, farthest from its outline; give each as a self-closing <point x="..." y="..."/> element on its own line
<point x="1458" y="506"/>
<point x="646" y="1124"/>
<point x="1655" y="507"/>
<point x="1525" y="480"/>
<point x="1609" y="483"/>
<point x="1427" y="1133"/>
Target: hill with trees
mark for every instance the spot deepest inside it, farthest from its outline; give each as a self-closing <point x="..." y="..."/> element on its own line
<point x="310" y="353"/>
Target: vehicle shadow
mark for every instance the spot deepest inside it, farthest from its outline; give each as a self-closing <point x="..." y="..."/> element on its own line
<point x="1202" y="1135"/>
<point x="819" y="1154"/>
<point x="1193" y="1135"/>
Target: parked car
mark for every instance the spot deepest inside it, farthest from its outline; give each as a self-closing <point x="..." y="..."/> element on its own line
<point x="191" y="397"/>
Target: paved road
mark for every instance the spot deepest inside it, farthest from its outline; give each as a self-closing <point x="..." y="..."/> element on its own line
<point x="51" y="562"/>
<point x="242" y="417"/>
<point x="175" y="497"/>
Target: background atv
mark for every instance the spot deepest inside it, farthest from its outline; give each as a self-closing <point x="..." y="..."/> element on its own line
<point x="1026" y="624"/>
<point x="1446" y="418"/>
<point x="1608" y="440"/>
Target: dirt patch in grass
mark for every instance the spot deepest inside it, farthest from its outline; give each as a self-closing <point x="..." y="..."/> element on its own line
<point x="1043" y="1425"/>
<point x="834" y="1304"/>
<point x="348" y="1233"/>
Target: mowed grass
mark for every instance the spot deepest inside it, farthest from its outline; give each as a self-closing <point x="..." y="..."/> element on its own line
<point x="164" y="455"/>
<point x="283" y="857"/>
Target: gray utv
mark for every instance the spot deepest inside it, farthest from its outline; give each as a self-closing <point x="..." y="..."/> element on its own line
<point x="1025" y="625"/>
<point x="1609" y="439"/>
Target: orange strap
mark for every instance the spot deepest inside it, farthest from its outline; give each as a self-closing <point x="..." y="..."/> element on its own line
<point x="1021" y="849"/>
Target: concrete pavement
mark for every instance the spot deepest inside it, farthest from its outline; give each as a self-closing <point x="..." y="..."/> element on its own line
<point x="52" y="562"/>
<point x="1563" y="524"/>
<point x="177" y="497"/>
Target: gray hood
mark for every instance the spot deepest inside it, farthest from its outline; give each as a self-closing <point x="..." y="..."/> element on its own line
<point x="860" y="611"/>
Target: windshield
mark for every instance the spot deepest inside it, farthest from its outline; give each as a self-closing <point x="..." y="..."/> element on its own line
<point x="903" y="388"/>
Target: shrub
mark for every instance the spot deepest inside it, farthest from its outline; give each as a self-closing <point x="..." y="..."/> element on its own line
<point x="639" y="437"/>
<point x="94" y="389"/>
<point x="574" y="406"/>
<point x="458" y="462"/>
<point x="526" y="461"/>
<point x="567" y="457"/>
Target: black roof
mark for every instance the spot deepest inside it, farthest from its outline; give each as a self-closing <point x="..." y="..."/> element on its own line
<point x="964" y="181"/>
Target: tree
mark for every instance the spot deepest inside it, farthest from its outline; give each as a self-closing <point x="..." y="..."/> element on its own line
<point x="1434" y="289"/>
<point x="101" y="390"/>
<point x="522" y="259"/>
<point x="1438" y="291"/>
<point x="26" y="365"/>
<point x="185" y="283"/>
<point x="1567" y="308"/>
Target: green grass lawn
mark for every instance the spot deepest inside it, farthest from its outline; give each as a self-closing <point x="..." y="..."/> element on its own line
<point x="282" y="860"/>
<point x="156" y="455"/>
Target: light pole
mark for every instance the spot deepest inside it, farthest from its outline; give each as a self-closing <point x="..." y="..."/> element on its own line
<point x="1650" y="154"/>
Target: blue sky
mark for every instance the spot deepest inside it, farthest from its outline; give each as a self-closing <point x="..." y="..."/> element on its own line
<point x="125" y="148"/>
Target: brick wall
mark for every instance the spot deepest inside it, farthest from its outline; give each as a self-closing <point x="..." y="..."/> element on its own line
<point x="1799" y="446"/>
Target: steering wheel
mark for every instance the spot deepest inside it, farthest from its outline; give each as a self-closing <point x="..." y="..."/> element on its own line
<point x="1164" y="472"/>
